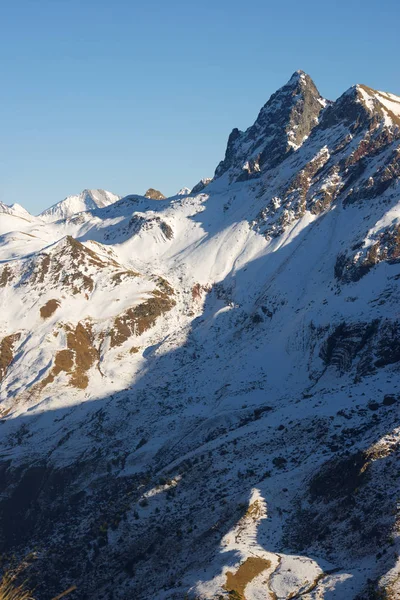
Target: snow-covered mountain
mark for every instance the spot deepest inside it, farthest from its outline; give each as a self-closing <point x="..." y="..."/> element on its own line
<point x="200" y="396"/>
<point x="14" y="216"/>
<point x="15" y="210"/>
<point x="86" y="200"/>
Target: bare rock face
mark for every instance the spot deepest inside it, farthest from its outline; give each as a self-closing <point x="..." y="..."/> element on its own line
<point x="362" y="257"/>
<point x="281" y="126"/>
<point x="201" y="185"/>
<point x="154" y="194"/>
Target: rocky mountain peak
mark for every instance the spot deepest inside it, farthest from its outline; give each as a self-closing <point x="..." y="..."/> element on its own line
<point x="282" y="125"/>
<point x="298" y="76"/>
<point x="154" y="194"/>
<point x="183" y="191"/>
<point x="363" y="107"/>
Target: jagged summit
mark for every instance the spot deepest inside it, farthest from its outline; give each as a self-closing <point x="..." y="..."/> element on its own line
<point x="299" y="78"/>
<point x="282" y="125"/>
<point x="183" y="191"/>
<point x="299" y="74"/>
<point x="296" y="111"/>
<point x="362" y="107"/>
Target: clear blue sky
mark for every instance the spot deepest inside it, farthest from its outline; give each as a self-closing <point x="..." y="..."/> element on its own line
<point x="125" y="95"/>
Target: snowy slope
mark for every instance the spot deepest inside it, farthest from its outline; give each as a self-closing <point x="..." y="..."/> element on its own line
<point x="200" y="395"/>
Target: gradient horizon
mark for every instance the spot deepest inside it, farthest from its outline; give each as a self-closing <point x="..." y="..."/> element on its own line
<point x="125" y="96"/>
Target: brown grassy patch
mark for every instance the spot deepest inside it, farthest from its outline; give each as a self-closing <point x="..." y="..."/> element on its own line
<point x="134" y="350"/>
<point x="81" y="342"/>
<point x="117" y="278"/>
<point x="248" y="570"/>
<point x="138" y="319"/>
<point x="63" y="362"/>
<point x="49" y="308"/>
<point x="6" y="276"/>
<point x="255" y="510"/>
<point x="10" y="591"/>
<point x="196" y="291"/>
<point x="7" y="352"/>
<point x="76" y="359"/>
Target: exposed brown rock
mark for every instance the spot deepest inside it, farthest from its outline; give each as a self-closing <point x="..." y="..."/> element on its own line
<point x="76" y="359"/>
<point x="138" y="319"/>
<point x="70" y="265"/>
<point x="201" y="185"/>
<point x="139" y="223"/>
<point x="119" y="277"/>
<point x="154" y="194"/>
<point x="7" y="352"/>
<point x="49" y="308"/>
<point x="354" y="265"/>
<point x="6" y="276"/>
<point x="236" y="582"/>
<point x="196" y="291"/>
<point x="300" y="195"/>
<point x="81" y="342"/>
<point x="378" y="107"/>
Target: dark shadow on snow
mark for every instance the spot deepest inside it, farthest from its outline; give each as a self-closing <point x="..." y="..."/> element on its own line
<point x="76" y="495"/>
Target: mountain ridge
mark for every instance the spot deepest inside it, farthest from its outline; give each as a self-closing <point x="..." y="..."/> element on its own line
<point x="200" y="382"/>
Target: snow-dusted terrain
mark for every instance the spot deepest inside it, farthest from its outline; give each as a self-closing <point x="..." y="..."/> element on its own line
<point x="200" y="395"/>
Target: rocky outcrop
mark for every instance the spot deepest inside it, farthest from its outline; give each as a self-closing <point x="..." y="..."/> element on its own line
<point x="199" y="187"/>
<point x="139" y="223"/>
<point x="381" y="246"/>
<point x="352" y="157"/>
<point x="76" y="359"/>
<point x="154" y="194"/>
<point x="7" y="352"/>
<point x="362" y="348"/>
<point x="138" y="319"/>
